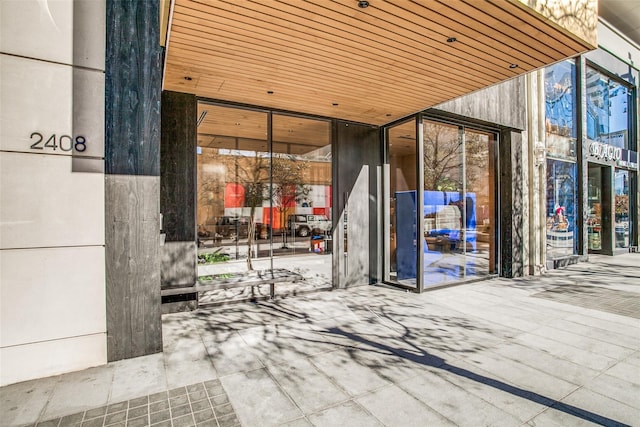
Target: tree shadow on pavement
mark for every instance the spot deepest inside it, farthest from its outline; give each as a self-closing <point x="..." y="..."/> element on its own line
<point x="423" y="357"/>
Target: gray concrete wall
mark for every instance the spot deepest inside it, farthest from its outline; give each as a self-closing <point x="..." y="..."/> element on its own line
<point x="503" y="104"/>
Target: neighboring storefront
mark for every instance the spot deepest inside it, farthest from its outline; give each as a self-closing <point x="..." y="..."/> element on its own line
<point x="611" y="151"/>
<point x="561" y="190"/>
<point x="591" y="127"/>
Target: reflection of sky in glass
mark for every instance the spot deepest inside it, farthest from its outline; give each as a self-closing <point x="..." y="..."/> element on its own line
<point x="607" y="110"/>
<point x="560" y="98"/>
<point x="621" y="183"/>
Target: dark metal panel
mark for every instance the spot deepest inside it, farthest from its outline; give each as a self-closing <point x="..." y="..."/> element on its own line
<point x="178" y="171"/>
<point x="358" y="162"/>
<point x="132" y="88"/>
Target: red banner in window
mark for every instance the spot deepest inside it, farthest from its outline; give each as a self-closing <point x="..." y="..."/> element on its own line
<point x="234" y="195"/>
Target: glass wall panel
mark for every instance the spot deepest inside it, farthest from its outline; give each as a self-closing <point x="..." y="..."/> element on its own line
<point x="561" y="208"/>
<point x="608" y="110"/>
<point x="300" y="204"/>
<point x="233" y="166"/>
<point x="479" y="232"/>
<point x="459" y="203"/>
<point x="401" y="232"/>
<point x="263" y="205"/>
<point x="621" y="188"/>
<point x="560" y="111"/>
<point x="444" y="212"/>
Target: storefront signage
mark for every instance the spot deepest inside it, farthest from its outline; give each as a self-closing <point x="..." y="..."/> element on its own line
<point x="604" y="151"/>
<point x="609" y="154"/>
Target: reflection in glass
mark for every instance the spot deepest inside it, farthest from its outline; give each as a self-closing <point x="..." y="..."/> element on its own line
<point x="300" y="198"/>
<point x="560" y="113"/>
<point x="459" y="203"/>
<point x="260" y="206"/>
<point x="479" y="212"/>
<point x="233" y="177"/>
<point x="608" y="110"/>
<point x="561" y="208"/>
<point x="401" y="228"/>
<point x="621" y="188"/>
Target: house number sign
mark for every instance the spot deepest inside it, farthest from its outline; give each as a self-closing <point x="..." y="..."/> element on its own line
<point x="53" y="142"/>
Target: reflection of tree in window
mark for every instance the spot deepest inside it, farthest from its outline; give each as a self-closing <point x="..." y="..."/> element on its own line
<point x="288" y="188"/>
<point x="443" y="157"/>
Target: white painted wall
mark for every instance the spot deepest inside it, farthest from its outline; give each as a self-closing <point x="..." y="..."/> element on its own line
<point x="52" y="263"/>
<point x="620" y="46"/>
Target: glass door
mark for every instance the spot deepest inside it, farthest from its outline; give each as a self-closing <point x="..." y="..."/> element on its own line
<point x="595" y="208"/>
<point x="400" y="204"/>
<point x="300" y="205"/>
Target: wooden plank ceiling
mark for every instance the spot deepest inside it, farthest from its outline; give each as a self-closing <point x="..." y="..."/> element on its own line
<point x="371" y="65"/>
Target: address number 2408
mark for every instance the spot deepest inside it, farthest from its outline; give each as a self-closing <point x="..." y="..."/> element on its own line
<point x="63" y="142"/>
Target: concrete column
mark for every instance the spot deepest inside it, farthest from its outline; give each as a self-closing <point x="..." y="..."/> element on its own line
<point x="511" y="204"/>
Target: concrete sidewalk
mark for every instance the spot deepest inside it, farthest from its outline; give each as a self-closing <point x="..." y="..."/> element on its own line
<point x="561" y="349"/>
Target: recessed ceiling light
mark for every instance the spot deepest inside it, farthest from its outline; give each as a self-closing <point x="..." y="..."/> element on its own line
<point x="363" y="4"/>
<point x="512" y="66"/>
<point x="451" y="39"/>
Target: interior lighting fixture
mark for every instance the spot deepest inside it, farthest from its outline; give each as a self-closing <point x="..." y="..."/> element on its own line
<point x="451" y="39"/>
<point x="363" y="4"/>
<point x="512" y="66"/>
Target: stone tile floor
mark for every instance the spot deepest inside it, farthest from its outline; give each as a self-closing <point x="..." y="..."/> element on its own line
<point x="595" y="297"/>
<point x="485" y="353"/>
<point x="201" y="404"/>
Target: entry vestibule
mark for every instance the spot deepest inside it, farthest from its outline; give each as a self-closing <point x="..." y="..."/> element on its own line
<point x="454" y="211"/>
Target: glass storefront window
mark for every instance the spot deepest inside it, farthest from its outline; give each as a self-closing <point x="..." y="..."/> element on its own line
<point x="458" y="211"/>
<point x="459" y="203"/>
<point x="261" y="203"/>
<point x="608" y="110"/>
<point x="561" y="208"/>
<point x="560" y="111"/>
<point x="621" y="189"/>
